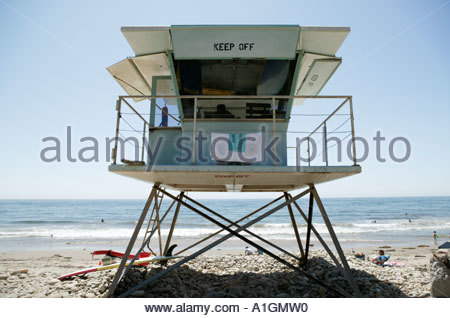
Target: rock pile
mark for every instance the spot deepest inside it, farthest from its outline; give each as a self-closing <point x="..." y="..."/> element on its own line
<point x="261" y="276"/>
<point x="224" y="276"/>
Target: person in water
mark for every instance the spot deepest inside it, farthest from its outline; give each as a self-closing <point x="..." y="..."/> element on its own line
<point x="380" y="259"/>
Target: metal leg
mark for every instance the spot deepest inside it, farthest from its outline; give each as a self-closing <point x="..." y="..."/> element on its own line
<point x="146" y="242"/>
<point x="158" y="224"/>
<point x="226" y="237"/>
<point x="347" y="272"/>
<point x="152" y="223"/>
<point x="294" y="224"/>
<point x="148" y="226"/>
<point x="319" y="237"/>
<point x="131" y="243"/>
<point x="154" y="228"/>
<point x="174" y="221"/>
<point x="308" y="230"/>
<point x="213" y="244"/>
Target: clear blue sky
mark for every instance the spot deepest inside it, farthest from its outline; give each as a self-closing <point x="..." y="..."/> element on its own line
<point x="53" y="56"/>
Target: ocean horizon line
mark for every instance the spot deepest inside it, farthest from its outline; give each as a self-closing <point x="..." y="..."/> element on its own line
<point x="210" y="199"/>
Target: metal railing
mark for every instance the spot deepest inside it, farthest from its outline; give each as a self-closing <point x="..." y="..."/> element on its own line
<point x="275" y="117"/>
<point x="323" y="124"/>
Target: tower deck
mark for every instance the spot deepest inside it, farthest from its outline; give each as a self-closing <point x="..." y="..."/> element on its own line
<point x="235" y="178"/>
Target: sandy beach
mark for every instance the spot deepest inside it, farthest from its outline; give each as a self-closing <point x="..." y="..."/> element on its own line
<point x="219" y="273"/>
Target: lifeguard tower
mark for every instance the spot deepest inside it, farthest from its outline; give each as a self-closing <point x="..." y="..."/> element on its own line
<point x="224" y="108"/>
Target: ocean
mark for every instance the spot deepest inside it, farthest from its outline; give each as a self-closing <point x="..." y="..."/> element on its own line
<point x="69" y="224"/>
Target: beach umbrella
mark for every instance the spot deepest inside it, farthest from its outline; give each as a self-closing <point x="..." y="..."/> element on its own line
<point x="445" y="245"/>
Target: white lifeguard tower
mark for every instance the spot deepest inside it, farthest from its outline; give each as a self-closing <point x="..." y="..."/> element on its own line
<point x="220" y="114"/>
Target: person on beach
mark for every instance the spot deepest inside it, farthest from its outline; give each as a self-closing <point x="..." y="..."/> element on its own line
<point x="164" y="117"/>
<point x="435" y="237"/>
<point x="359" y="255"/>
<point x="247" y="251"/>
<point x="380" y="259"/>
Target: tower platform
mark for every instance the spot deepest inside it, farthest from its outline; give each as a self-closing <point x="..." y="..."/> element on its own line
<point x="235" y="178"/>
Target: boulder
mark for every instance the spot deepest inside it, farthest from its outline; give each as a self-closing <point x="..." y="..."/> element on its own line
<point x="440" y="274"/>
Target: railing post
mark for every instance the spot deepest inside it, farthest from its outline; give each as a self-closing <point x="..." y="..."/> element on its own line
<point x="297" y="155"/>
<point x="353" y="130"/>
<point x="194" y="131"/>
<point x="118" y="105"/>
<point x="153" y="102"/>
<point x="309" y="154"/>
<point x="143" y="140"/>
<point x="274" y="128"/>
<point x="325" y="146"/>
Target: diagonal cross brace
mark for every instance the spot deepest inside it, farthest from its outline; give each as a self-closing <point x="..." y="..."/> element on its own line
<point x="246" y="231"/>
<point x="232" y="233"/>
<point x="294" y="225"/>
<point x="240" y="220"/>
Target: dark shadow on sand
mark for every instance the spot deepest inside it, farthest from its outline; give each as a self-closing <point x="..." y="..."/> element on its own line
<point x="283" y="283"/>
